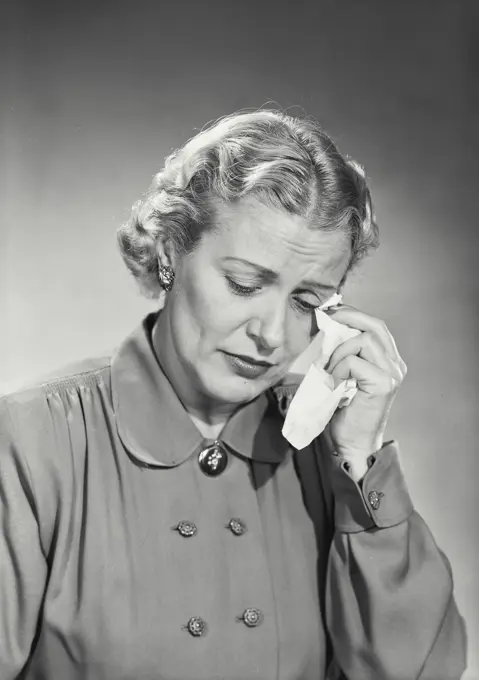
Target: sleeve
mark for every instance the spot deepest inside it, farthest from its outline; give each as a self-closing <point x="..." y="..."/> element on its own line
<point x="390" y="608"/>
<point x="23" y="565"/>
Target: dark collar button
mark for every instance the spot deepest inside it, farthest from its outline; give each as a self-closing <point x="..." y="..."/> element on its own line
<point x="213" y="460"/>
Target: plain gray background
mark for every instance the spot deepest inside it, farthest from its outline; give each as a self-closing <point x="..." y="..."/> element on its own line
<point x="97" y="93"/>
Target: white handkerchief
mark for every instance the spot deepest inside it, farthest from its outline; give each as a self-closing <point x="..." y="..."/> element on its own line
<point x="317" y="398"/>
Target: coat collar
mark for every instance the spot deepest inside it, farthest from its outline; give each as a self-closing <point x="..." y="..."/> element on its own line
<point x="155" y="428"/>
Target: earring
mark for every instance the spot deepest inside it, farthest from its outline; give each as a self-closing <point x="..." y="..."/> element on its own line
<point x="166" y="276"/>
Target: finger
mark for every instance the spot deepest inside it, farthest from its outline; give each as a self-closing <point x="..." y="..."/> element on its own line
<point x="364" y="322"/>
<point x="370" y="378"/>
<point x="367" y="346"/>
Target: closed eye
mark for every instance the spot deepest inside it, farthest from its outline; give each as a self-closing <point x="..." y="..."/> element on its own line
<point x="238" y="289"/>
<point x="300" y="304"/>
<point x="304" y="306"/>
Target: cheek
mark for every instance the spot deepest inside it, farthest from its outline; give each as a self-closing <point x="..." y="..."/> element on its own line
<point x="207" y="308"/>
<point x="300" y="333"/>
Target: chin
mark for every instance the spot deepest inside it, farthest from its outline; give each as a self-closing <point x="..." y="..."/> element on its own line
<point x="233" y="389"/>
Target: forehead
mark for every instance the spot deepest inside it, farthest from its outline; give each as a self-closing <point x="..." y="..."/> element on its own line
<point x="276" y="240"/>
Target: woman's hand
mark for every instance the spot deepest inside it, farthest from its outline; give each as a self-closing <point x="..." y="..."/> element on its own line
<point x="372" y="358"/>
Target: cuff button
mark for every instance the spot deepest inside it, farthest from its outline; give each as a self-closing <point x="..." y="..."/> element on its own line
<point x="374" y="498"/>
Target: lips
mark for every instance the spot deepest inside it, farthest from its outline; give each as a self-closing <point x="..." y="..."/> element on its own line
<point x="250" y="360"/>
<point x="247" y="367"/>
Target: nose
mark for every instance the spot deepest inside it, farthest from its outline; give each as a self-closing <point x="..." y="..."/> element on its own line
<point x="267" y="327"/>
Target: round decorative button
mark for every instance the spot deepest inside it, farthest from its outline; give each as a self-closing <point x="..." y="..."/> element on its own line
<point x="251" y="617"/>
<point x="374" y="498"/>
<point x="213" y="460"/>
<point x="185" y="528"/>
<point x="237" y="526"/>
<point x="196" y="626"/>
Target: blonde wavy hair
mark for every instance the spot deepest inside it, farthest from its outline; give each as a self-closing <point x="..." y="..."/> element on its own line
<point x="288" y="162"/>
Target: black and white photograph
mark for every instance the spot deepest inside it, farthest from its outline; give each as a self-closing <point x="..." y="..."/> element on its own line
<point x="238" y="352"/>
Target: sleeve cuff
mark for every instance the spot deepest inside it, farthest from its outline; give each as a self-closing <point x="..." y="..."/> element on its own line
<point x="380" y="500"/>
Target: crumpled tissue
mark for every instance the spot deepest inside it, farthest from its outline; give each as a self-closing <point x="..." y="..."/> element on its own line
<point x="317" y="398"/>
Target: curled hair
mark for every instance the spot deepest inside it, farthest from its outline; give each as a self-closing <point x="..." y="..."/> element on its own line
<point x="288" y="163"/>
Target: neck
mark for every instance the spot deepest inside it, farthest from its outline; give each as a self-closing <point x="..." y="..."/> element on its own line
<point x="209" y="416"/>
<point x="208" y="430"/>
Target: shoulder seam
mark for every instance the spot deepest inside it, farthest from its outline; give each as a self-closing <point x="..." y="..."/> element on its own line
<point x="74" y="380"/>
<point x="93" y="371"/>
<point x="48" y="384"/>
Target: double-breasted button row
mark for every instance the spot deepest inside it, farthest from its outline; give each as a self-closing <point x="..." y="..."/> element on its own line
<point x="237" y="526"/>
<point x="188" y="529"/>
<point x="196" y="626"/>
<point x="251" y="617"/>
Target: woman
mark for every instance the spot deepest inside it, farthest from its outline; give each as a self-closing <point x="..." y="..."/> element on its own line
<point x="156" y="524"/>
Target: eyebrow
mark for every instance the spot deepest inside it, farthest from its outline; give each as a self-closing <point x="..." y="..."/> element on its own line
<point x="270" y="275"/>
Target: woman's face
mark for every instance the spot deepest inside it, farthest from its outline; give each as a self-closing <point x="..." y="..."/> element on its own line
<point x="246" y="294"/>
